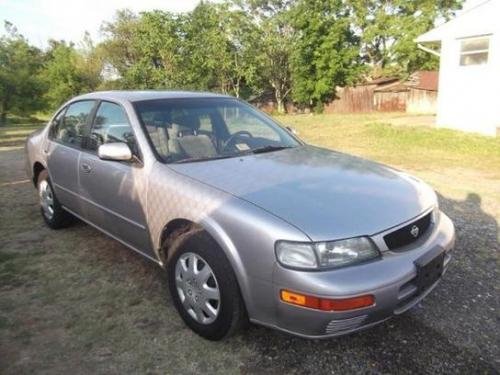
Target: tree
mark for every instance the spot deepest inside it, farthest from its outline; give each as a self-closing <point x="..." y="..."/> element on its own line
<point x="20" y="63"/>
<point x="120" y="48"/>
<point x="325" y="52"/>
<point x="242" y="75"/>
<point x="210" y="48"/>
<point x="388" y="28"/>
<point x="69" y="72"/>
<point x="273" y="47"/>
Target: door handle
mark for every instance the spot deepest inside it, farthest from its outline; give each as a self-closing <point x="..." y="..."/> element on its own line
<point x="86" y="168"/>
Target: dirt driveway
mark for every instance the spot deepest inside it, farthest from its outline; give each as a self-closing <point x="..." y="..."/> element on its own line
<point x="74" y="301"/>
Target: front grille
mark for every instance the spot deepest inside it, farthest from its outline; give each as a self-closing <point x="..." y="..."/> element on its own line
<point x="408" y="234"/>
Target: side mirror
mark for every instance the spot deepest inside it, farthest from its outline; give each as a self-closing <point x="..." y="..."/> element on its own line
<point x="118" y="151"/>
<point x="291" y="130"/>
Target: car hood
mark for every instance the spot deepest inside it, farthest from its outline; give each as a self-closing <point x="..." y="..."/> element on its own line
<point x="326" y="194"/>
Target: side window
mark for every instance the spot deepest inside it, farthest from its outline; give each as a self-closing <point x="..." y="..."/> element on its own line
<point x="56" y="123"/>
<point x="73" y="126"/>
<point x="474" y="51"/>
<point x="111" y="125"/>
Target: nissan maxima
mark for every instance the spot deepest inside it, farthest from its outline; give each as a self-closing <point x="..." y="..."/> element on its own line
<point x="250" y="223"/>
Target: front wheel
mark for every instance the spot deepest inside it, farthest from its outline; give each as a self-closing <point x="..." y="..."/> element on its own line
<point x="52" y="212"/>
<point x="204" y="288"/>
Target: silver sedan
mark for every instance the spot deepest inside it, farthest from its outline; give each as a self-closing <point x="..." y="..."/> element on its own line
<point x="249" y="222"/>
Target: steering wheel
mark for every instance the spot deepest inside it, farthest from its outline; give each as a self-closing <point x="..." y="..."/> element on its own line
<point x="231" y="140"/>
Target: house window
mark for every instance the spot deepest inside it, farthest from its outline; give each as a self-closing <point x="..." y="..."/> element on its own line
<point x="474" y="51"/>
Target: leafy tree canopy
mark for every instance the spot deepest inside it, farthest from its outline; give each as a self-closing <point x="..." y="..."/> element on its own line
<point x="20" y="84"/>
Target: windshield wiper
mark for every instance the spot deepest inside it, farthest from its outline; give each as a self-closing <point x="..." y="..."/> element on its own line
<point x="204" y="158"/>
<point x="269" y="148"/>
<point x="258" y="150"/>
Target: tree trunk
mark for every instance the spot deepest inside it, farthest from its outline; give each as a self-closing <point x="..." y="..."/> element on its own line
<point x="3" y="118"/>
<point x="237" y="89"/>
<point x="280" y="102"/>
<point x="3" y="113"/>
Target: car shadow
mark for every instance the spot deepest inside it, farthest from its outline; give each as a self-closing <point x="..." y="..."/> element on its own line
<point x="455" y="329"/>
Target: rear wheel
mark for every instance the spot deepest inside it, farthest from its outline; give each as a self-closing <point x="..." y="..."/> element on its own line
<point x="52" y="212"/>
<point x="204" y="288"/>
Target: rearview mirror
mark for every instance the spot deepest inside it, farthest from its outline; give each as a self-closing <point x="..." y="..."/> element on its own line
<point x="118" y="151"/>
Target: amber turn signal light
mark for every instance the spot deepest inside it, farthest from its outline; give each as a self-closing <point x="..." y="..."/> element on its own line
<point x="325" y="304"/>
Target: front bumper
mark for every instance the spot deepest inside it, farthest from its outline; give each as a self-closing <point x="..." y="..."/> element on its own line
<point x="391" y="280"/>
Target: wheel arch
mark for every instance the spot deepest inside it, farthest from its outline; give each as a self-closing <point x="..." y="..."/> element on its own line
<point x="170" y="232"/>
<point x="176" y="227"/>
<point x="37" y="169"/>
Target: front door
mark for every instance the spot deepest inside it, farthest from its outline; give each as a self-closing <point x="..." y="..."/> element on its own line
<point x="113" y="192"/>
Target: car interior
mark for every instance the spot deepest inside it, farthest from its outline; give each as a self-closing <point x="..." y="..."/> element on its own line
<point x="178" y="135"/>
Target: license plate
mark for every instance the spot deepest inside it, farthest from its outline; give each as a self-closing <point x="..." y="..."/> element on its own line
<point x="428" y="272"/>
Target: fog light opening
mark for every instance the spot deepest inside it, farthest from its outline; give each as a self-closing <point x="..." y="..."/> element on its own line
<point x="326" y="304"/>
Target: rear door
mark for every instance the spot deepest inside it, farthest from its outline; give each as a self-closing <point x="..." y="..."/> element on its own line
<point x="114" y="192"/>
<point x="67" y="132"/>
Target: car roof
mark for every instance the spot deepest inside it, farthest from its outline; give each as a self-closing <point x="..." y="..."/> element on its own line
<point x="138" y="95"/>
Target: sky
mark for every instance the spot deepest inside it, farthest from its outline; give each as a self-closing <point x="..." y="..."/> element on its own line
<point x="40" y="20"/>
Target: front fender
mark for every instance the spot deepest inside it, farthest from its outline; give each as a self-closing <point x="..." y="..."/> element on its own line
<point x="247" y="235"/>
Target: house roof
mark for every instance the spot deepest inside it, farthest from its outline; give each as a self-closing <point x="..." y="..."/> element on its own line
<point x="424" y="80"/>
<point x="479" y="20"/>
<point x="398" y="86"/>
<point x="380" y="81"/>
<point x="420" y="80"/>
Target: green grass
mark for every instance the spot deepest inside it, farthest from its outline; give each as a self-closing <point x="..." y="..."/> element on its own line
<point x="18" y="127"/>
<point x="12" y="136"/>
<point x="407" y="146"/>
<point x="35" y="118"/>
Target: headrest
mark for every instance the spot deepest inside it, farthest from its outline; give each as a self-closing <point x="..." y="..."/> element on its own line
<point x="181" y="131"/>
<point x="185" y="125"/>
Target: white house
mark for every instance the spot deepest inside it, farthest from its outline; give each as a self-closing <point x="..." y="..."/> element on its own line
<point x="469" y="73"/>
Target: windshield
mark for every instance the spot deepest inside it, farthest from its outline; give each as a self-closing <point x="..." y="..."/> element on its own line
<point x="195" y="129"/>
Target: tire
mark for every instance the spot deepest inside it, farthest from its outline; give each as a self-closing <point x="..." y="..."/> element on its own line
<point x="52" y="212"/>
<point x="190" y="291"/>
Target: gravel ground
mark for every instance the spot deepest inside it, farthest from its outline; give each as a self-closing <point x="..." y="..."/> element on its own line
<point x="76" y="301"/>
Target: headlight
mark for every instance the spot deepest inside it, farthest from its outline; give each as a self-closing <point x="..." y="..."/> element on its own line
<point x="296" y="255"/>
<point x="344" y="252"/>
<point x="324" y="255"/>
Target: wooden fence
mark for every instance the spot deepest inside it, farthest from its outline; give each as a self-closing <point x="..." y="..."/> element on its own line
<point x="365" y="98"/>
<point x="352" y="99"/>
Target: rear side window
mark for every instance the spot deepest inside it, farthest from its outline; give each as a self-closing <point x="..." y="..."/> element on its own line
<point x="72" y="128"/>
<point x="56" y="123"/>
<point x="111" y="125"/>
